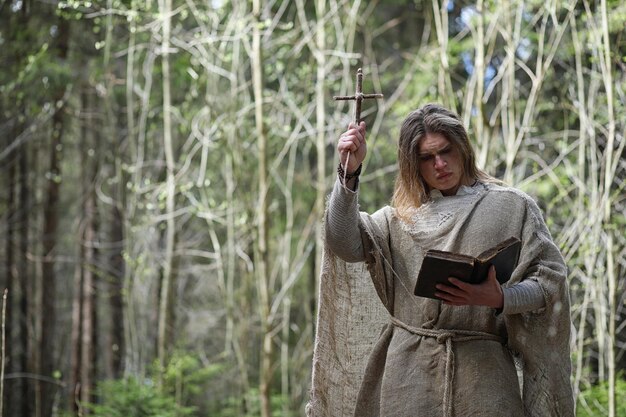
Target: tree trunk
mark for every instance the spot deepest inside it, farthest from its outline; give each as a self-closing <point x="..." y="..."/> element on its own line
<point x="238" y="281"/>
<point x="265" y="371"/>
<point x="84" y="323"/>
<point x="75" y="355"/>
<point x="508" y="91"/>
<point x="444" y="82"/>
<point x="479" y="74"/>
<point x="320" y="142"/>
<point x="609" y="172"/>
<point x="129" y="350"/>
<point x="24" y="293"/>
<point x="51" y="218"/>
<point x="166" y="299"/>
<point x="114" y="258"/>
<point x="88" y="313"/>
<point x="3" y="347"/>
<point x="9" y="389"/>
<point x="116" y="300"/>
<point x="18" y="397"/>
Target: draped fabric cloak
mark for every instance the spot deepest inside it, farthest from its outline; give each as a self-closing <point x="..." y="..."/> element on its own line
<point x="381" y="351"/>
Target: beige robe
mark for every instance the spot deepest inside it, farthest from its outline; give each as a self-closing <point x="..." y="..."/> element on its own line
<point x="381" y="351"/>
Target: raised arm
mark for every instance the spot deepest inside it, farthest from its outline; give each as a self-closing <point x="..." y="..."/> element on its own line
<point x="343" y="235"/>
<point x="352" y="147"/>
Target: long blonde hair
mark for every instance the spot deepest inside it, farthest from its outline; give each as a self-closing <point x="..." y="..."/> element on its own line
<point x="411" y="191"/>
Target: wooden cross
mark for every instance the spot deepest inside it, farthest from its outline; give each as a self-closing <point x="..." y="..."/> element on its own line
<point x="358" y="97"/>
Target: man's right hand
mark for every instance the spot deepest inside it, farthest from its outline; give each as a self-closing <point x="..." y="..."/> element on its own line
<point x="353" y="141"/>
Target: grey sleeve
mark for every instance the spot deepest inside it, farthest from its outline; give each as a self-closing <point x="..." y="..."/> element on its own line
<point x="343" y="235"/>
<point x="523" y="297"/>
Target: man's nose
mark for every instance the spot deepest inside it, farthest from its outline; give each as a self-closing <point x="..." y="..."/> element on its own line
<point x="439" y="162"/>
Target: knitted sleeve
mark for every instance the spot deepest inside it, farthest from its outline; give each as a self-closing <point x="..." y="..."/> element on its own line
<point x="523" y="297"/>
<point x="343" y="235"/>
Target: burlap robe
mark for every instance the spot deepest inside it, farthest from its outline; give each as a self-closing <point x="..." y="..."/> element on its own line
<point x="411" y="356"/>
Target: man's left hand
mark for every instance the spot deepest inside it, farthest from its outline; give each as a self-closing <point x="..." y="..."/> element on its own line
<point x="487" y="293"/>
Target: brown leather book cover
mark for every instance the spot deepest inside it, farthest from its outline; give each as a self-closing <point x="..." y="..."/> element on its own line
<point x="439" y="265"/>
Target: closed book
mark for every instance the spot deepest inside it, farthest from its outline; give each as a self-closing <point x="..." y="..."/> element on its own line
<point x="438" y="266"/>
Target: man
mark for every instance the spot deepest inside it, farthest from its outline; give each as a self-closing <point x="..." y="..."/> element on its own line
<point x="456" y="356"/>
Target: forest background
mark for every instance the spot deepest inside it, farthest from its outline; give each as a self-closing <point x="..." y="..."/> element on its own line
<point x="164" y="166"/>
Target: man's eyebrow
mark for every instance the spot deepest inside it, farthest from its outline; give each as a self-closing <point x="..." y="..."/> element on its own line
<point x="443" y="148"/>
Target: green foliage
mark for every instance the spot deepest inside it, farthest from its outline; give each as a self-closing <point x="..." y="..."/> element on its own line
<point x="185" y="376"/>
<point x="182" y="379"/>
<point x="249" y="405"/>
<point x="594" y="400"/>
<point x="131" y="397"/>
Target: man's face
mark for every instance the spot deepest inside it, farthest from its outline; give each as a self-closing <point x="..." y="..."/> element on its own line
<point x="440" y="163"/>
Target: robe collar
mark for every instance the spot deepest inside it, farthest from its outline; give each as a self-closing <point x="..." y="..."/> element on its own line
<point x="463" y="190"/>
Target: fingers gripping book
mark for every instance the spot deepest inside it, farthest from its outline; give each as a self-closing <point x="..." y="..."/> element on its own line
<point x="438" y="266"/>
